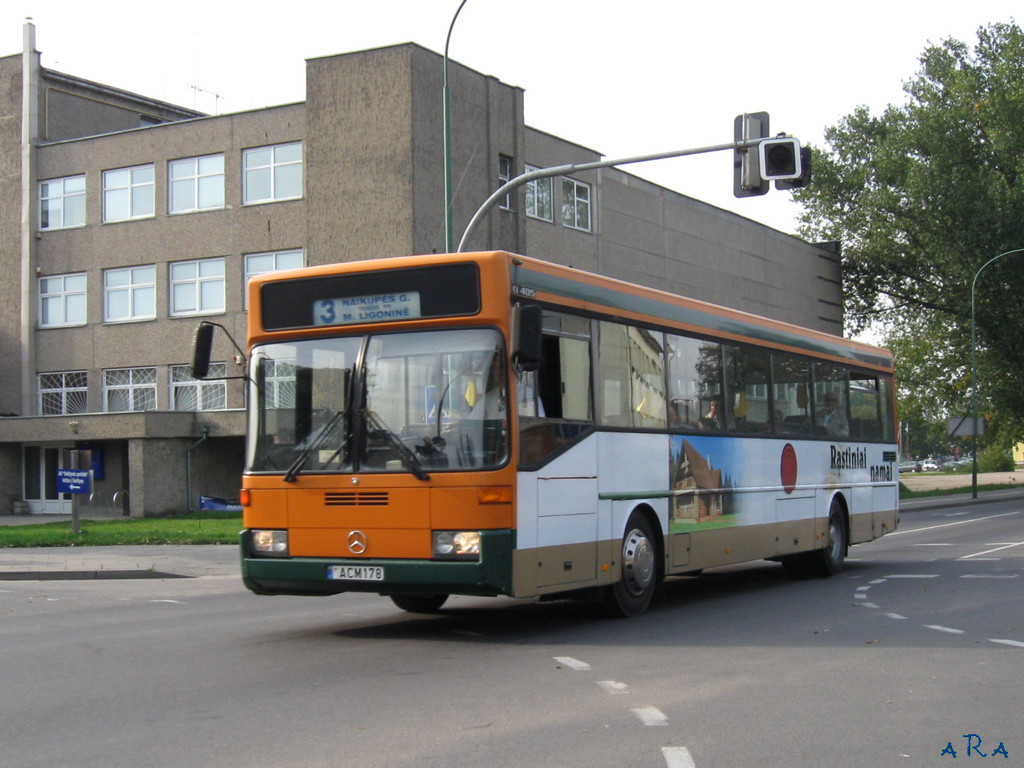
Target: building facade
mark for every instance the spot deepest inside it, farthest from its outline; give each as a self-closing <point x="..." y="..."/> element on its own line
<point x="125" y="221"/>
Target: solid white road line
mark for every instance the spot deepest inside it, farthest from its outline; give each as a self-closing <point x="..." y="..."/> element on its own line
<point x="990" y="551"/>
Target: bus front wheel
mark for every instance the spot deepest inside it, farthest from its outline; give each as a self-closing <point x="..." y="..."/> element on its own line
<point x="419" y="603"/>
<point x="632" y="593"/>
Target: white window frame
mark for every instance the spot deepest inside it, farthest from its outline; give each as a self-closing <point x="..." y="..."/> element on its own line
<point x="63" y="298"/>
<point x="273" y="256"/>
<point x="140" y="189"/>
<point x="68" y="389"/>
<point x="195" y="174"/>
<point x="506" y="172"/>
<point x="59" y="196"/>
<point x="252" y="164"/>
<point x="201" y="391"/>
<point x="139" y="386"/>
<point x="141" y="280"/>
<point x="201" y="275"/>
<point x="573" y="203"/>
<point x="532" y="195"/>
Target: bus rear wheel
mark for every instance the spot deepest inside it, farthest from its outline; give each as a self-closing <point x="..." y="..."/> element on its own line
<point x="632" y="593"/>
<point x="419" y="603"/>
<point x="827" y="561"/>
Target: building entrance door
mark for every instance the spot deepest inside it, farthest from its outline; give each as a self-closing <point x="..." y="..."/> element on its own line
<point x="39" y="479"/>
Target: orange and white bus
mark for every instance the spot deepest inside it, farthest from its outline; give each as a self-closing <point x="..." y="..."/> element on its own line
<point x="490" y="424"/>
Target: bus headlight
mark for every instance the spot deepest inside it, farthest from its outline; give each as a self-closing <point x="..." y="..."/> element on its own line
<point x="457" y="545"/>
<point x="269" y="543"/>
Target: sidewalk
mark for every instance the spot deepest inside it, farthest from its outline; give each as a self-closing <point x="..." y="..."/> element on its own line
<point x="120" y="562"/>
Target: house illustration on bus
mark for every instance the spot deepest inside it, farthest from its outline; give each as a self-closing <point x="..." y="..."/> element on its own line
<point x="698" y="488"/>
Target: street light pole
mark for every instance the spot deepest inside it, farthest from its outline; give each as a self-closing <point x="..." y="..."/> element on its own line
<point x="446" y="119"/>
<point x="974" y="375"/>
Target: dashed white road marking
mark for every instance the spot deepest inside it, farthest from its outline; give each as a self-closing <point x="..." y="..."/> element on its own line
<point x="650" y="716"/>
<point x="912" y="576"/>
<point x="571" y="663"/>
<point x="1014" y="643"/>
<point x="678" y="757"/>
<point x="610" y="686"/>
<point x="989" y="575"/>
<point x="941" y="628"/>
<point x="894" y="616"/>
<point x="868" y="605"/>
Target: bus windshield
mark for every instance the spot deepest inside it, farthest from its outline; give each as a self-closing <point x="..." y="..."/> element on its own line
<point x="401" y="402"/>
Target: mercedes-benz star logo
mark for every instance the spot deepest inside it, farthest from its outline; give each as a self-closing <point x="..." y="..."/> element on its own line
<point x="356" y="542"/>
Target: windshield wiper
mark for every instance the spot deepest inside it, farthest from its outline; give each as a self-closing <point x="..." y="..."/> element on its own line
<point x="315" y="444"/>
<point x="407" y="457"/>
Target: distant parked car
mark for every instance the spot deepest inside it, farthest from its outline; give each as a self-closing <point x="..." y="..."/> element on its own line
<point x="910" y="466"/>
<point x="929" y="465"/>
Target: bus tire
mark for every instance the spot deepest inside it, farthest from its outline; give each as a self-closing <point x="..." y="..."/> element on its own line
<point x="632" y="593"/>
<point x="829" y="561"/>
<point x="419" y="603"/>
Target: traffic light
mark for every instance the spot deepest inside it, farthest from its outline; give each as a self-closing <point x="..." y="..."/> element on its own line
<point x="747" y="178"/>
<point x="805" y="172"/>
<point x="780" y="159"/>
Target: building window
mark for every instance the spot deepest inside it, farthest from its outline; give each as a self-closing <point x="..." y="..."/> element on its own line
<point x="62" y="300"/>
<point x="506" y="172"/>
<point x="128" y="193"/>
<point x="197" y="287"/>
<point x="272" y="173"/>
<point x="63" y="393"/>
<point x="539" y="203"/>
<point x="261" y="263"/>
<point x="575" y="204"/>
<point x="62" y="203"/>
<point x="279" y="383"/>
<point x="129" y="389"/>
<point x="189" y="394"/>
<point x="129" y="294"/>
<point x="195" y="184"/>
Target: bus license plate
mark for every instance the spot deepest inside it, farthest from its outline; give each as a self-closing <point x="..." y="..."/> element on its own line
<point x="355" y="572"/>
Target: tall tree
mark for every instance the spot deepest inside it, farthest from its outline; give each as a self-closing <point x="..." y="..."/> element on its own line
<point x="921" y="197"/>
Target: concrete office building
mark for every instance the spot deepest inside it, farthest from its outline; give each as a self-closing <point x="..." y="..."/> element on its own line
<point x="126" y="220"/>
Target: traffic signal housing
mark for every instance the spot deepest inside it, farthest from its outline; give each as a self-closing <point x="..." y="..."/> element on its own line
<point x="805" y="172"/>
<point x="780" y="159"/>
<point x="747" y="179"/>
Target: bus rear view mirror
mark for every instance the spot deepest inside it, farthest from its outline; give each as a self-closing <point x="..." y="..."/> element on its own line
<point x="526" y="336"/>
<point x="202" y="342"/>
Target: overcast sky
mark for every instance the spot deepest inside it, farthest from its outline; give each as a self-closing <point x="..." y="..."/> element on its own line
<point x="622" y="78"/>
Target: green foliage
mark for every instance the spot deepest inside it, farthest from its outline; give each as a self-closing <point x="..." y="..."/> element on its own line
<point x="170" y="530"/>
<point x="995" y="459"/>
<point x="921" y="197"/>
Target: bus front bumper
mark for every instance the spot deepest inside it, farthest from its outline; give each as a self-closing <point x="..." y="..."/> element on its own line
<point x="491" y="575"/>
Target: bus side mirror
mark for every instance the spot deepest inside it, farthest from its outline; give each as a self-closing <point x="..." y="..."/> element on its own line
<point x="526" y="336"/>
<point x="202" y="342"/>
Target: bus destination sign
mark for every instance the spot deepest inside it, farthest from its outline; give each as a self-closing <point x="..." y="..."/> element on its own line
<point x="375" y="308"/>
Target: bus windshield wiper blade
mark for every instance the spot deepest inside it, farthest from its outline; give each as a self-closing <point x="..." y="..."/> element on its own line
<point x="315" y="444"/>
<point x="407" y="457"/>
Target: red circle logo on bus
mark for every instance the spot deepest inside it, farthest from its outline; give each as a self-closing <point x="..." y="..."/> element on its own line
<point x="787" y="468"/>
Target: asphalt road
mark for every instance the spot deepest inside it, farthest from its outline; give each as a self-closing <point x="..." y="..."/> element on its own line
<point x="917" y="648"/>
